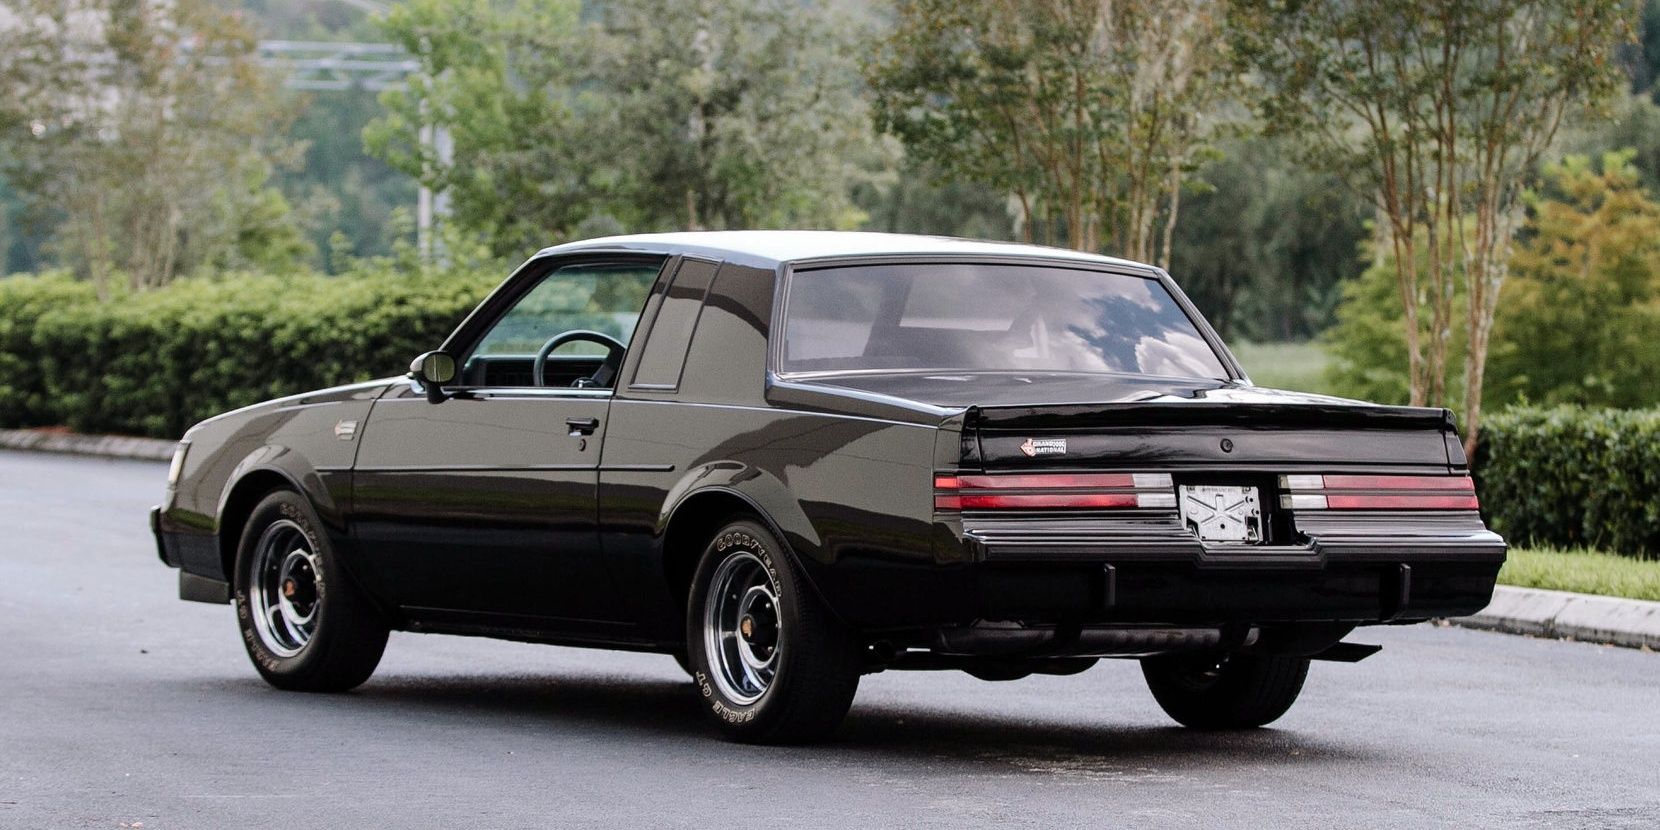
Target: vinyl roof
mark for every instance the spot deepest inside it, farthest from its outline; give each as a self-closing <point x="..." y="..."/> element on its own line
<point x="796" y="246"/>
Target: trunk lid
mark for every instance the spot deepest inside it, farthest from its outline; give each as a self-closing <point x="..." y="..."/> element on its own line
<point x="1255" y="431"/>
<point x="1060" y="420"/>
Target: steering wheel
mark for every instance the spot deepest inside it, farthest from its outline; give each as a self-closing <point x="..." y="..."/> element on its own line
<point x="602" y="377"/>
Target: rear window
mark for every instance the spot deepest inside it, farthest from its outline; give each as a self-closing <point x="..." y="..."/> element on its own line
<point x="986" y="317"/>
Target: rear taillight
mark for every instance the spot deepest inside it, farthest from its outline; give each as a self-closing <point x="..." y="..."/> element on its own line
<point x="1377" y="492"/>
<point x="1057" y="491"/>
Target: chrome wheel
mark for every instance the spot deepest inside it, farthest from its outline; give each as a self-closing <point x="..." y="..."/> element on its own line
<point x="284" y="589"/>
<point x="742" y="632"/>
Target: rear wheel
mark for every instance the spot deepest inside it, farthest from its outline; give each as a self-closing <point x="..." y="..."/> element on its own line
<point x="1233" y="691"/>
<point x="305" y="625"/>
<point x="772" y="664"/>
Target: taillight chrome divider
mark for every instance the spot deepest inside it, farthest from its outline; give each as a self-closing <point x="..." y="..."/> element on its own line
<point x="1055" y="491"/>
<point x="1377" y="492"/>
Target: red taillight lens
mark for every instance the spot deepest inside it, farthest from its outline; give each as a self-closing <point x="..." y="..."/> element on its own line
<point x="1377" y="492"/>
<point x="1058" y="491"/>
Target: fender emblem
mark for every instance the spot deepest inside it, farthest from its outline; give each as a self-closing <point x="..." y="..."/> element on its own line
<point x="1043" y="446"/>
<point x="345" y="430"/>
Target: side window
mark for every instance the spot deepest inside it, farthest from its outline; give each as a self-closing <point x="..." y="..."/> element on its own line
<point x="605" y="299"/>
<point x="665" y="351"/>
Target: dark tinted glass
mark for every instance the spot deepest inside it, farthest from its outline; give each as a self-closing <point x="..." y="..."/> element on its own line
<point x="979" y="317"/>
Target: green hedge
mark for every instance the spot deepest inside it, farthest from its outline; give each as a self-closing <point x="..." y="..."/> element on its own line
<point x="23" y="301"/>
<point x="1569" y="477"/>
<point x="157" y="362"/>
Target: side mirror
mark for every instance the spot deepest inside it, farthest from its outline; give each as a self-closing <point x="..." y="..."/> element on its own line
<point x="432" y="370"/>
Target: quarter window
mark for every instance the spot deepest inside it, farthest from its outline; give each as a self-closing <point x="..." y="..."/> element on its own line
<point x="671" y="334"/>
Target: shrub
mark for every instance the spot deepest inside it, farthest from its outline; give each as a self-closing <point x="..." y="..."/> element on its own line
<point x="23" y="301"/>
<point x="157" y="362"/>
<point x="1571" y="477"/>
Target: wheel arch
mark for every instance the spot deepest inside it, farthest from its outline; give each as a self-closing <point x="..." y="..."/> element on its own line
<point x="691" y="523"/>
<point x="238" y="504"/>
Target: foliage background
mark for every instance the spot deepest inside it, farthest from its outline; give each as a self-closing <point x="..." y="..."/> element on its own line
<point x="1581" y="320"/>
<point x="160" y="361"/>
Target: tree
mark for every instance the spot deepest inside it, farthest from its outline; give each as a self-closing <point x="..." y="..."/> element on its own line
<point x="1367" y="343"/>
<point x="1265" y="243"/>
<point x="1089" y="113"/>
<point x="649" y="115"/>
<point x="736" y="113"/>
<point x="1441" y="109"/>
<point x="149" y="126"/>
<point x="917" y="199"/>
<point x="1633" y="126"/>
<point x="1583" y="318"/>
<point x="501" y="80"/>
<point x="1583" y="307"/>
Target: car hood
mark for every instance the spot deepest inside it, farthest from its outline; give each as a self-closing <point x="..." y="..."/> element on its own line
<point x="364" y="390"/>
<point x="963" y="389"/>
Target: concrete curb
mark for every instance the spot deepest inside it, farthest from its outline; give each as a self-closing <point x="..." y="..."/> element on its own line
<point x="106" y="446"/>
<point x="1559" y="614"/>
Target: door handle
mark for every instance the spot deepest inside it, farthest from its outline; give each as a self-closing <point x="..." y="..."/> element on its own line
<point x="582" y="426"/>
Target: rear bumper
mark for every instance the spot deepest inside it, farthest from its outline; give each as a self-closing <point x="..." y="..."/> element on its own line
<point x="1139" y="578"/>
<point x="1158" y="593"/>
<point x="1154" y="593"/>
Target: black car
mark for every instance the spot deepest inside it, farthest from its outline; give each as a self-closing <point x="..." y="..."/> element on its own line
<point x="793" y="458"/>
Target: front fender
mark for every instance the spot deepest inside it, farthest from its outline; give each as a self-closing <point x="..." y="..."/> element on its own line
<point x="275" y="461"/>
<point x="306" y="442"/>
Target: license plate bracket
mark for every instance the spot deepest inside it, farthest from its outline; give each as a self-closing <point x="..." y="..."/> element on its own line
<point x="1219" y="513"/>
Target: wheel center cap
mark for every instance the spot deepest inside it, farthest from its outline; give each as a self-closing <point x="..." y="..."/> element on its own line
<point x="288" y="588"/>
<point x="746" y="627"/>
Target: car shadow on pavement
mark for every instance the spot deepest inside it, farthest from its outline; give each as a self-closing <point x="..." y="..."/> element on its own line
<point x="1084" y="748"/>
<point x="657" y="710"/>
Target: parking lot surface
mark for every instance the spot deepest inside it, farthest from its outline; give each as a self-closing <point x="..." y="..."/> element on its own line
<point x="121" y="706"/>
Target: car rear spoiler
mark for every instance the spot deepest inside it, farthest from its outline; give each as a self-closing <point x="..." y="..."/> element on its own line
<point x="1150" y="430"/>
<point x="1204" y="413"/>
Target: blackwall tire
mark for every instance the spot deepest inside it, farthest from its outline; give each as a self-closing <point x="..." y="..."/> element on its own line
<point x="771" y="664"/>
<point x="1229" y="692"/>
<point x="305" y="624"/>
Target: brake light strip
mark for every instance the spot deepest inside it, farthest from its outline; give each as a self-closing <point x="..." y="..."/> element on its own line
<point x="1378" y="492"/>
<point x="1055" y="491"/>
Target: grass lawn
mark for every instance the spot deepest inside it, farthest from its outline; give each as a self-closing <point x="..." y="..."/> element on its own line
<point x="1586" y="572"/>
<point x="1299" y="367"/>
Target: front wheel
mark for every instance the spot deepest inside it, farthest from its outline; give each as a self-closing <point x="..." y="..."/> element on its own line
<point x="305" y="625"/>
<point x="770" y="661"/>
<point x="1233" y="691"/>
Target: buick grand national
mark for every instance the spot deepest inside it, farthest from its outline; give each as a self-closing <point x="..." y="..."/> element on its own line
<point x="790" y="459"/>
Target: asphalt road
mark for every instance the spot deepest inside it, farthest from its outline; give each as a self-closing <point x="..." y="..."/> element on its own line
<point x="121" y="706"/>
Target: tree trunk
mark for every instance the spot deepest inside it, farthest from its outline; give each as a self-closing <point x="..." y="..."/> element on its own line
<point x="1175" y="206"/>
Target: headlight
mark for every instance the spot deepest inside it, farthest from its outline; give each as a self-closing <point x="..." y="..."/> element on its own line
<point x="178" y="463"/>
